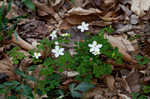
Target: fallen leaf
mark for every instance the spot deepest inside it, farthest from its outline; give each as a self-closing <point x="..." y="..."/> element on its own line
<point x="81" y="11"/>
<point x="133" y="80"/>
<point x="7" y="68"/>
<point x="70" y="73"/>
<point x="110" y="82"/>
<point x="78" y="3"/>
<point x="123" y="45"/>
<point x="139" y="6"/>
<point x="123" y="96"/>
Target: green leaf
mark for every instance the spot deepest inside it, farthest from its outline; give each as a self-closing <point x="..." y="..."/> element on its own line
<point x="12" y="83"/>
<point x="2" y="86"/>
<point x="146" y="89"/>
<point x="81" y="87"/>
<point x="31" y="78"/>
<point x="29" y="4"/>
<point x="12" y="97"/>
<point x="84" y="86"/>
<point x="76" y="94"/>
<point x="17" y="71"/>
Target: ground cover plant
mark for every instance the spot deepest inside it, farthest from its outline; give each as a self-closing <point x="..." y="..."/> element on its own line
<point x="61" y="50"/>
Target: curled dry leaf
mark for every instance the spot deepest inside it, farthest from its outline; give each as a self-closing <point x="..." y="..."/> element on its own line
<point x="110" y="82"/>
<point x="133" y="80"/>
<point x="81" y="11"/>
<point x="56" y="2"/>
<point x="70" y="73"/>
<point x="20" y="42"/>
<point x="6" y="67"/>
<point x="123" y="96"/>
<point x="78" y="3"/>
<point x="126" y="10"/>
<point x="123" y="45"/>
<point x="139" y="6"/>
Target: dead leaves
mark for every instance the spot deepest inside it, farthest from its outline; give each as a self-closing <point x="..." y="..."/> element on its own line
<point x="81" y="11"/>
<point x="123" y="45"/>
<point x="139" y="6"/>
<point x="6" y="67"/>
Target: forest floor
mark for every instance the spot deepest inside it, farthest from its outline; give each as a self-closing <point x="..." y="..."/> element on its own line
<point x="32" y="26"/>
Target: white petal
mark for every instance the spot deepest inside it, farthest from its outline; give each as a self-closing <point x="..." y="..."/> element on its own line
<point x="99" y="45"/>
<point x="90" y="45"/>
<point x="54" y="32"/>
<point x="82" y="30"/>
<point x="61" y="49"/>
<point x="53" y="51"/>
<point x="79" y="27"/>
<point x="94" y="43"/>
<point x="39" y="54"/>
<point x="56" y="55"/>
<point x="91" y="49"/>
<point x="56" y="43"/>
<point x="61" y="53"/>
<point x="83" y="23"/>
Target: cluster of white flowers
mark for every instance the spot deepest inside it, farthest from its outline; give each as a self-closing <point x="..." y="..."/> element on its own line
<point x="58" y="51"/>
<point x="95" y="48"/>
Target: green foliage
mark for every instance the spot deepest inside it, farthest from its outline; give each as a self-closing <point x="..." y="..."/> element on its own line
<point x="16" y="55"/>
<point x="138" y="96"/>
<point x="29" y="4"/>
<point x="22" y="88"/>
<point x="4" y="21"/>
<point x="84" y="62"/>
<point x="82" y="87"/>
<point x="7" y="26"/>
<point x="146" y="89"/>
<point x="142" y="60"/>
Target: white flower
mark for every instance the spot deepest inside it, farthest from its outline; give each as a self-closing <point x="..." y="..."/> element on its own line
<point x="37" y="55"/>
<point x="56" y="43"/>
<point x="95" y="48"/>
<point x="83" y="27"/>
<point x="53" y="34"/>
<point x="58" y="51"/>
<point x="65" y="34"/>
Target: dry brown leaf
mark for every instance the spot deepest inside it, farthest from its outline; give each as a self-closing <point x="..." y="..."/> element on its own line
<point x="110" y="82"/>
<point x="122" y="42"/>
<point x="123" y="45"/>
<point x="133" y="80"/>
<point x="6" y="67"/>
<point x="56" y="2"/>
<point x="123" y="96"/>
<point x="78" y="3"/>
<point x="139" y="6"/>
<point x="23" y="44"/>
<point x="81" y="11"/>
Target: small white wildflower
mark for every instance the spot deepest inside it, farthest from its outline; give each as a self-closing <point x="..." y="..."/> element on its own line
<point x="95" y="48"/>
<point x="56" y="43"/>
<point x="58" y="51"/>
<point x="37" y="55"/>
<point x="65" y="34"/>
<point x="83" y="27"/>
<point x="53" y="34"/>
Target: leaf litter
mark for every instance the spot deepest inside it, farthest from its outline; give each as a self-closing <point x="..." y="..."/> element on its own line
<point x="126" y="16"/>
